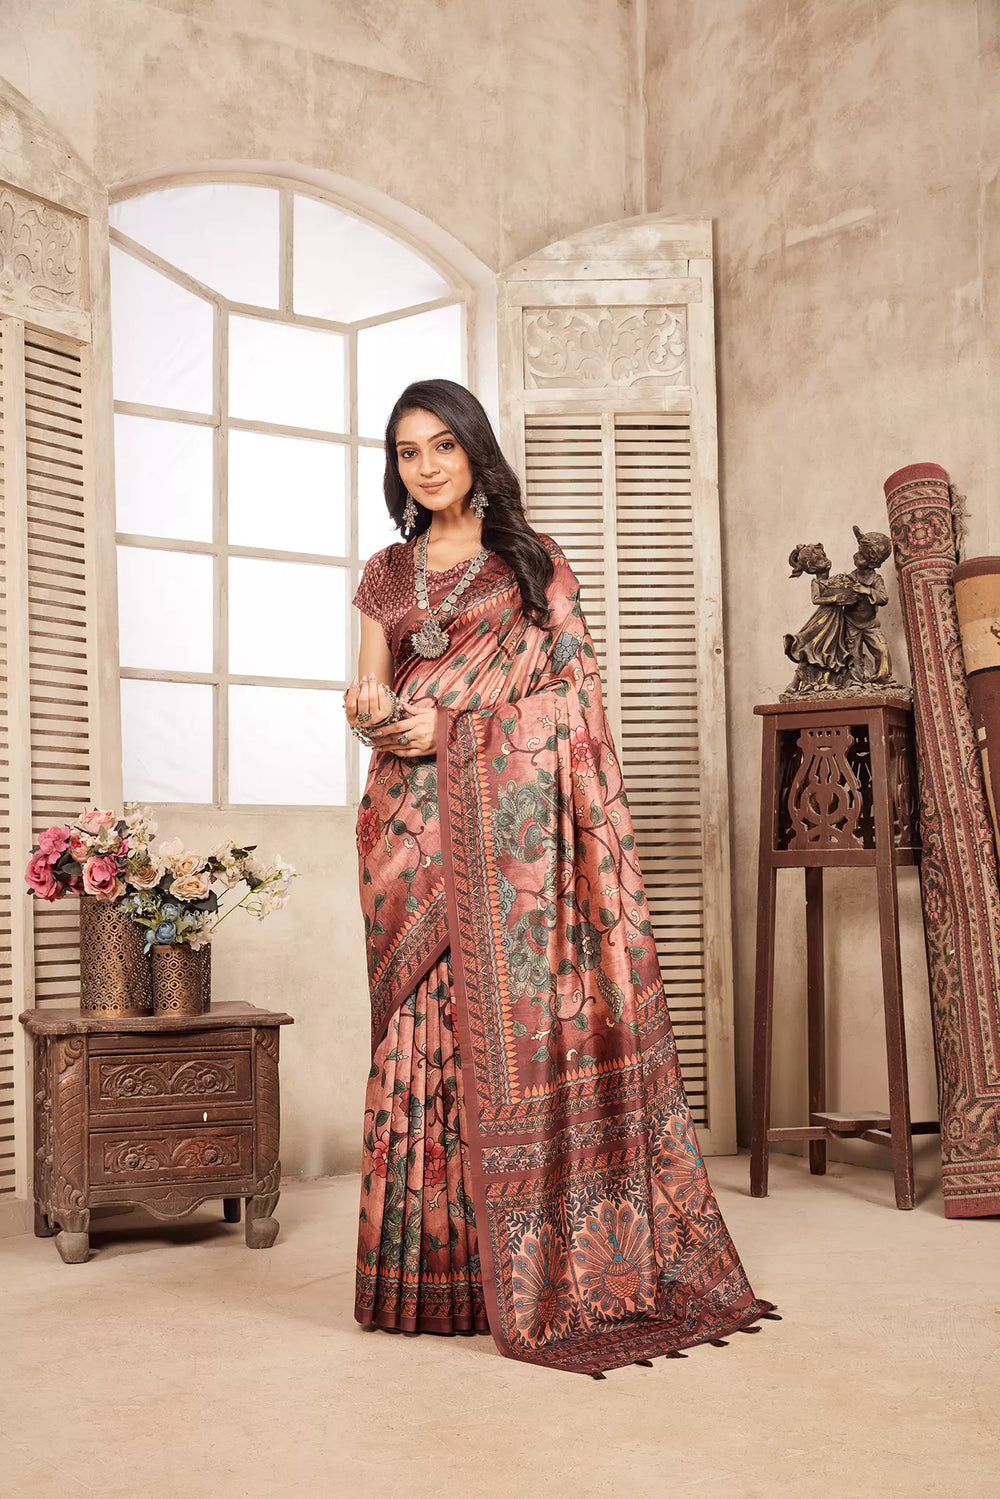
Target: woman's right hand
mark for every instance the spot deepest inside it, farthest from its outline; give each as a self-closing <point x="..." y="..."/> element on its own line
<point x="365" y="695"/>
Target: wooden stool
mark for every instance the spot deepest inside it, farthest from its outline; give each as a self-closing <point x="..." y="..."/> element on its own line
<point x="838" y="789"/>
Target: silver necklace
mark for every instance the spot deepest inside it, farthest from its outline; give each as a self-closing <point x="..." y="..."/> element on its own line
<point x="430" y="640"/>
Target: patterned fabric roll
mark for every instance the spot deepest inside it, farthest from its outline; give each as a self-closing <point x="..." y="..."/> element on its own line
<point x="977" y="598"/>
<point x="958" y="876"/>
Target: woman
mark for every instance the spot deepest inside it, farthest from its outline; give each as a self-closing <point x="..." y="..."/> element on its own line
<point x="530" y="1168"/>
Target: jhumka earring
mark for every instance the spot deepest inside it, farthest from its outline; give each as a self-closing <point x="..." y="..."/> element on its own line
<point x="409" y="513"/>
<point x="479" y="503"/>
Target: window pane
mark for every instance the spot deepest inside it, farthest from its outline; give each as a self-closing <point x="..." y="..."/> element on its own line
<point x="425" y="347"/>
<point x="375" y="527"/>
<point x="166" y="741"/>
<point x="347" y="270"/>
<point x="287" y="619"/>
<point x="224" y="234"/>
<point x="164" y="609"/>
<point x="287" y="493"/>
<point x="161" y="338"/>
<point x="287" y="745"/>
<point x="284" y="374"/>
<point x="163" y="478"/>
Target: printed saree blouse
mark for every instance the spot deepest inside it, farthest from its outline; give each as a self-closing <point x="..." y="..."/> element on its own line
<point x="512" y="851"/>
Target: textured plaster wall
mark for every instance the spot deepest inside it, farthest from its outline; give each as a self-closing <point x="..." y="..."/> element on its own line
<point x="508" y="124"/>
<point x="848" y="154"/>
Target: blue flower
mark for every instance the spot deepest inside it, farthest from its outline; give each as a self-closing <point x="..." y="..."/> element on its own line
<point x="165" y="932"/>
<point x="170" y="909"/>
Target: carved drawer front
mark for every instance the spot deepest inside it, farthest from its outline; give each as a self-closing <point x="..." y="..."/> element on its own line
<point x="159" y="1079"/>
<point x="198" y="1153"/>
<point x="122" y="1043"/>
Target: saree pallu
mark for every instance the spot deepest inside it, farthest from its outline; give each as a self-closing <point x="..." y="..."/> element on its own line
<point x="958" y="867"/>
<point x="598" y="1237"/>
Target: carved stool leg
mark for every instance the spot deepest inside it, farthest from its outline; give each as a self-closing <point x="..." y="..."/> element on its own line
<point x="764" y="986"/>
<point x="261" y="1227"/>
<point x="73" y="1239"/>
<point x="231" y="1207"/>
<point x="816" y="1004"/>
<point x="892" y="975"/>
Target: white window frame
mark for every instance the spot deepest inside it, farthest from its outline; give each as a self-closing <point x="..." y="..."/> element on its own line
<point x="473" y="290"/>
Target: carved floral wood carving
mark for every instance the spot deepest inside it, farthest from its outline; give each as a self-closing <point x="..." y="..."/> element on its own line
<point x="123" y="1157"/>
<point x="169" y="1079"/>
<point x="40" y="252"/>
<point x="601" y="346"/>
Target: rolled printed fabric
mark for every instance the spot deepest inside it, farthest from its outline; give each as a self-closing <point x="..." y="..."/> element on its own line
<point x="977" y="598"/>
<point x="958" y="874"/>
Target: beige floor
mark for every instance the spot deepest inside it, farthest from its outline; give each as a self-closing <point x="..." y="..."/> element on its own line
<point x="178" y="1364"/>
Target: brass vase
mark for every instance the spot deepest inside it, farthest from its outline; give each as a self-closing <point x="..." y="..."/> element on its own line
<point x="114" y="970"/>
<point x="178" y="979"/>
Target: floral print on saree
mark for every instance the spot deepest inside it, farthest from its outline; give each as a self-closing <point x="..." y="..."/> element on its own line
<point x="599" y="1240"/>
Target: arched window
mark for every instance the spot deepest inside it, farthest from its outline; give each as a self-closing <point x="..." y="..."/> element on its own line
<point x="260" y="336"/>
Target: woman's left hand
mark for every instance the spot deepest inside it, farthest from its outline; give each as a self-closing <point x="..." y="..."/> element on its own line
<point x="420" y="728"/>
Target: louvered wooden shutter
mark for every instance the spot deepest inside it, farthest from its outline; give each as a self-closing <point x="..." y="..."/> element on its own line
<point x="608" y="402"/>
<point x="55" y="438"/>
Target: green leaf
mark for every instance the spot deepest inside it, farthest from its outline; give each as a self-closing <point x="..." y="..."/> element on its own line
<point x="409" y="875"/>
<point x="562" y="730"/>
<point x="449" y="698"/>
<point x="499" y="762"/>
<point x="520" y="1029"/>
<point x="398" y="827"/>
<point x="380" y="900"/>
<point x="508" y="725"/>
<point x="580" y="1021"/>
<point x="565" y="966"/>
<point x="636" y="978"/>
<point x="378" y="930"/>
<point x="606" y="863"/>
<point x="550" y="743"/>
<point x="608" y="917"/>
<point x="595" y="813"/>
<point x="412" y="904"/>
<point x="541" y="1055"/>
<point x="475" y="702"/>
<point x="471" y="675"/>
<point x="637" y="952"/>
<point x="645" y="928"/>
<point x="382" y="1117"/>
<point x="366" y="879"/>
<point x="628" y="842"/>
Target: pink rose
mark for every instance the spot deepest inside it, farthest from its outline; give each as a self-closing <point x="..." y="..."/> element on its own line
<point x="40" y="877"/>
<point x="100" y="877"/>
<point x="53" y="842"/>
<point x="94" y="820"/>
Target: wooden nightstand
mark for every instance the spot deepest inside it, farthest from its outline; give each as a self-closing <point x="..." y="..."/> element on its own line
<point x="160" y="1112"/>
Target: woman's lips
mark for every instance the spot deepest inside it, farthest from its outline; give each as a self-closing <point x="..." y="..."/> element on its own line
<point x="433" y="488"/>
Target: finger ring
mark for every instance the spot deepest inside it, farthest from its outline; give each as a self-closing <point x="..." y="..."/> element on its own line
<point x="404" y="738"/>
<point x="364" y="718"/>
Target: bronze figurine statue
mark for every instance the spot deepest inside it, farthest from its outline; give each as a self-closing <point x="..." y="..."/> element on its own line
<point x="841" y="650"/>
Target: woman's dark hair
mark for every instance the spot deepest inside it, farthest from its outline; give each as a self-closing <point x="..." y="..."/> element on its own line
<point x="505" y="525"/>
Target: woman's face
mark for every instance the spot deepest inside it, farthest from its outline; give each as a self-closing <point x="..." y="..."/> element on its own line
<point x="432" y="465"/>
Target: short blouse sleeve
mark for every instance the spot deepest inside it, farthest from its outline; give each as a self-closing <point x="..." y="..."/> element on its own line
<point x="369" y="596"/>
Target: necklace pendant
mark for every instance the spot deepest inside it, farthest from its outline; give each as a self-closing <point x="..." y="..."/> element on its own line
<point x="430" y="640"/>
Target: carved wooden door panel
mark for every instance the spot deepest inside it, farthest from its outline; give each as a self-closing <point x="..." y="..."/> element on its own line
<point x="55" y="435"/>
<point x="608" y="406"/>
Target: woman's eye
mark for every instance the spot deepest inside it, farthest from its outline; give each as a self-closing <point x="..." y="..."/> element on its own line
<point x="407" y="453"/>
<point x="447" y="445"/>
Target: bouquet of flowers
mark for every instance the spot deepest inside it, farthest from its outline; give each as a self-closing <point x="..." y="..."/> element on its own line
<point x="173" y="893"/>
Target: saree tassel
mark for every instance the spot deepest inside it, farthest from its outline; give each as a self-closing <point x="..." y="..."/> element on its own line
<point x="718" y="1342"/>
<point x="749" y="1329"/>
<point x="675" y="1353"/>
<point x="772" y="1316"/>
<point x="644" y="1363"/>
<point x="598" y="1375"/>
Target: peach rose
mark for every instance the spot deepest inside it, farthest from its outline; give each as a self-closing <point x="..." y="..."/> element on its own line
<point x="146" y="874"/>
<point x="191" y="886"/>
<point x="177" y="861"/>
<point x="80" y="845"/>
